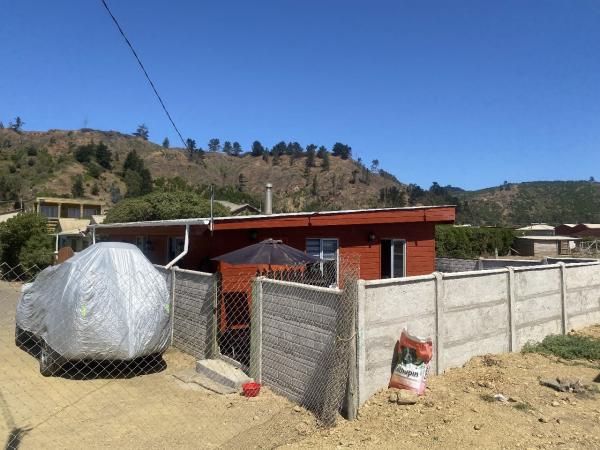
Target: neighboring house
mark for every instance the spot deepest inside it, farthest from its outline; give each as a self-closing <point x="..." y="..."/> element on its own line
<point x="579" y="230"/>
<point x="537" y="229"/>
<point x="565" y="229"/>
<point x="244" y="209"/>
<point x="9" y="215"/>
<point x="72" y="233"/>
<point x="587" y="230"/>
<point x="391" y="242"/>
<point x="544" y="245"/>
<point x="97" y="219"/>
<point x="66" y="208"/>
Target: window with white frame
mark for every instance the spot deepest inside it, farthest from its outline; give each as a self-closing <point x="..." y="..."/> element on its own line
<point x="327" y="250"/>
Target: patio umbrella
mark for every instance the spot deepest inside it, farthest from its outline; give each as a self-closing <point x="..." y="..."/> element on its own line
<point x="271" y="252"/>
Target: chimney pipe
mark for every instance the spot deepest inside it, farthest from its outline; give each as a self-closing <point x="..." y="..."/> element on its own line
<point x="268" y="199"/>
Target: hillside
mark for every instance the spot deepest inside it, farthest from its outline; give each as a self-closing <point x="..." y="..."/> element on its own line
<point x="553" y="202"/>
<point x="44" y="163"/>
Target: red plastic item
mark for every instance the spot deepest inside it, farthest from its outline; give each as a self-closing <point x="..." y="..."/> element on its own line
<point x="251" y="389"/>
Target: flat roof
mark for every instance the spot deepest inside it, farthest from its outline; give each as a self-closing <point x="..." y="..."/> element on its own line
<point x="206" y="220"/>
<point x="537" y="227"/>
<point x="549" y="238"/>
<point x="69" y="200"/>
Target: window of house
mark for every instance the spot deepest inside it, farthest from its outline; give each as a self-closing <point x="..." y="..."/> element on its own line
<point x="327" y="250"/>
<point x="143" y="243"/>
<point x="73" y="213"/>
<point x="176" y="245"/>
<point x="89" y="212"/>
<point x="49" y="211"/>
<point x="393" y="258"/>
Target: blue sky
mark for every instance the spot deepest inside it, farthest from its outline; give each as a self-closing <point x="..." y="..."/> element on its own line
<point x="469" y="93"/>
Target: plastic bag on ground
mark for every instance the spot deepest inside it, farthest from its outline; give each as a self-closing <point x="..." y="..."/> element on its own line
<point x="412" y="356"/>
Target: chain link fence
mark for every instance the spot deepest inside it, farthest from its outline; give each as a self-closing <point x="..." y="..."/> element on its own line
<point x="18" y="273"/>
<point x="129" y="374"/>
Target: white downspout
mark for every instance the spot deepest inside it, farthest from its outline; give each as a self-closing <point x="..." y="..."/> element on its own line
<point x="185" y="248"/>
<point x="94" y="236"/>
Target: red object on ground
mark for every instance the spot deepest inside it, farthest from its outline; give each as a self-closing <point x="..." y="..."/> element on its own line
<point x="251" y="389"/>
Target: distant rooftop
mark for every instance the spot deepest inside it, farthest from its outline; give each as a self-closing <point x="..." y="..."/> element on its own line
<point x="537" y="227"/>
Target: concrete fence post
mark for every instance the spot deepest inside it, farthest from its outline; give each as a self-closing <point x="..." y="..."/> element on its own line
<point x="214" y="351"/>
<point x="351" y="399"/>
<point x="563" y="297"/>
<point x="512" y="330"/>
<point x="256" y="316"/>
<point x="439" y="313"/>
<point x="173" y="276"/>
<point x="361" y="349"/>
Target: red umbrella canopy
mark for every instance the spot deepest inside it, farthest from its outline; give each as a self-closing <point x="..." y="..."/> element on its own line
<point x="271" y="252"/>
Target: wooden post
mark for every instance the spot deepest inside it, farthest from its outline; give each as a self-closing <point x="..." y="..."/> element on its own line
<point x="439" y="312"/>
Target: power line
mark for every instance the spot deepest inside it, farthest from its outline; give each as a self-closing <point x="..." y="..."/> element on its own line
<point x="143" y="70"/>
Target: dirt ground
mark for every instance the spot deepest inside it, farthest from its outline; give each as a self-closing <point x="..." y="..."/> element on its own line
<point x="147" y="411"/>
<point x="458" y="410"/>
<point x="158" y="411"/>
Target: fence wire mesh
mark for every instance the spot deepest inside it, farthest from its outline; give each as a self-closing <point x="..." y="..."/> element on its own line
<point x="63" y="392"/>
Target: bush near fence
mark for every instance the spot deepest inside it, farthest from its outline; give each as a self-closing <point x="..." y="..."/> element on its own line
<point x="472" y="242"/>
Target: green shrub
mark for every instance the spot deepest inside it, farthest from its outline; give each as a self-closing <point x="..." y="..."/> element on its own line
<point x="163" y="206"/>
<point x="37" y="251"/>
<point x="472" y="242"/>
<point x="24" y="236"/>
<point x="567" y="347"/>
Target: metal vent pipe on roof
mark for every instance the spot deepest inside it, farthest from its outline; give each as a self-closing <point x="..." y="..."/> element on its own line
<point x="268" y="199"/>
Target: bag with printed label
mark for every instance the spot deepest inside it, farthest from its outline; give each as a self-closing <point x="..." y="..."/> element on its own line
<point x="412" y="355"/>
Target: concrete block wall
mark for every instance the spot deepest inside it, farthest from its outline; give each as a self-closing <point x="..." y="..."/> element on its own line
<point x="449" y="265"/>
<point x="471" y="313"/>
<point x="294" y="332"/>
<point x="193" y="317"/>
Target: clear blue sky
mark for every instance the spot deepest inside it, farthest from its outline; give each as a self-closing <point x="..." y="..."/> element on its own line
<point x="463" y="93"/>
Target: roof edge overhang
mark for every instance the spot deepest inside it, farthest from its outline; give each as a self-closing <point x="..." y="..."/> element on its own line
<point x="438" y="214"/>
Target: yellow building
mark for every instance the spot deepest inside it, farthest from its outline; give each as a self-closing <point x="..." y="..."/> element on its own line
<point x="54" y="209"/>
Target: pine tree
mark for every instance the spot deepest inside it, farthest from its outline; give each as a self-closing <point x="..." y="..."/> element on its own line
<point x="227" y="148"/>
<point x="214" y="145"/>
<point x="236" y="149"/>
<point x="257" y="149"/>
<point x="166" y="142"/>
<point x="310" y="155"/>
<point x="325" y="162"/>
<point x="77" y="188"/>
<point x="142" y="131"/>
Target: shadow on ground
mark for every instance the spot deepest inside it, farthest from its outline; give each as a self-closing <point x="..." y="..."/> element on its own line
<point x="88" y="369"/>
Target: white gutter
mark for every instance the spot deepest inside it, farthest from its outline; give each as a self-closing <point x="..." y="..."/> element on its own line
<point x="185" y="248"/>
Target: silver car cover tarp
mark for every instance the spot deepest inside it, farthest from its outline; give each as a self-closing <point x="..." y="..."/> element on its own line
<point x="106" y="302"/>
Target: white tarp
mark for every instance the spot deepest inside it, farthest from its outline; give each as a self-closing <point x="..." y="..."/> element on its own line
<point x="106" y="302"/>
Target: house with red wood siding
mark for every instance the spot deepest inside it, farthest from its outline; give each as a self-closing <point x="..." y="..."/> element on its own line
<point x="387" y="242"/>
